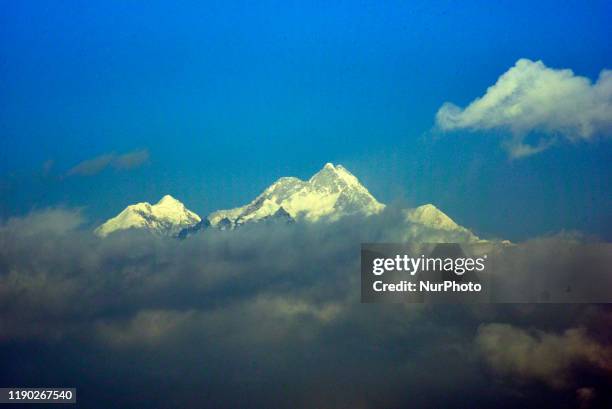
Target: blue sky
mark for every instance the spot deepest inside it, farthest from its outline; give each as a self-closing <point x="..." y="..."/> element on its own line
<point x="226" y="98"/>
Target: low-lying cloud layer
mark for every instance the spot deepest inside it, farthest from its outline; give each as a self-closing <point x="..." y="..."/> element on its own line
<point x="269" y="316"/>
<point x="533" y="98"/>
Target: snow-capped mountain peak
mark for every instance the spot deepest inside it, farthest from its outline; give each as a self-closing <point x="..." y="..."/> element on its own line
<point x="167" y="218"/>
<point x="430" y="217"/>
<point x="169" y="201"/>
<point x="335" y="178"/>
<point x="331" y="193"/>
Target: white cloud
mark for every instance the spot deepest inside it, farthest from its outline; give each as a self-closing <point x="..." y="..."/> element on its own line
<point x="531" y="97"/>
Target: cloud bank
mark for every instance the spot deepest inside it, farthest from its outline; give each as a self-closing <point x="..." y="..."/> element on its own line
<point x="96" y="165"/>
<point x="228" y="319"/>
<point x="531" y="98"/>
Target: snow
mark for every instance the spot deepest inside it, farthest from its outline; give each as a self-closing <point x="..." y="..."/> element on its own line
<point x="331" y="193"/>
<point x="328" y="195"/>
<point x="167" y="217"/>
<point x="430" y="216"/>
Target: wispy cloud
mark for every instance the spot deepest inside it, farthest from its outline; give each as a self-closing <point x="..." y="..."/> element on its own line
<point x="48" y="166"/>
<point x="96" y="165"/>
<point x="533" y="98"/>
<point x="131" y="159"/>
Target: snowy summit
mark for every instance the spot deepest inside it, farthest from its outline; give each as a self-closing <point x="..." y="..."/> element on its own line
<point x="166" y="218"/>
<point x="330" y="194"/>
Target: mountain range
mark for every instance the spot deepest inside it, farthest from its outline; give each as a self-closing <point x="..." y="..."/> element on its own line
<point x="330" y="194"/>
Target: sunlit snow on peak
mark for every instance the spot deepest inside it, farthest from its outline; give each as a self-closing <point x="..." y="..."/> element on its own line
<point x="331" y="193"/>
<point x="167" y="218"/>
